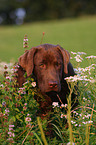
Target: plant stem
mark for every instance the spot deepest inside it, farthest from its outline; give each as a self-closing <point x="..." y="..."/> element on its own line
<point x="87" y="134"/>
<point x="42" y="132"/>
<point x="69" y="117"/>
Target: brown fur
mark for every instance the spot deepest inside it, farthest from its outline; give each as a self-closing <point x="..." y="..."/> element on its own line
<point x="50" y="64"/>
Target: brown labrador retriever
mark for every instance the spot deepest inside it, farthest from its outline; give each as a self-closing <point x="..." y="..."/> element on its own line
<point x="50" y="64"/>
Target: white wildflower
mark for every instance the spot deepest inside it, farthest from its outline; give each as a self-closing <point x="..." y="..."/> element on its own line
<point x="77" y="113"/>
<point x="90" y="121"/>
<point x="11" y="134"/>
<point x="1" y="85"/>
<point x="25" y="39"/>
<point x="22" y="88"/>
<point x="2" y="64"/>
<point x="92" y="81"/>
<point x="80" y="53"/>
<point x="76" y="124"/>
<point x="25" y="104"/>
<point x="22" y="91"/>
<point x="91" y="56"/>
<point x="87" y="122"/>
<point x="10" y="139"/>
<point x="84" y="122"/>
<point x="73" y="122"/>
<point x="69" y="143"/>
<point x="73" y="52"/>
<point x="55" y="104"/>
<point x="89" y="115"/>
<point x="25" y="83"/>
<point x="10" y="129"/>
<point x="62" y="115"/>
<point x="79" y="78"/>
<point x="33" y="84"/>
<point x="81" y="70"/>
<point x="78" y="58"/>
<point x="28" y="119"/>
<point x="7" y="110"/>
<point x="66" y="105"/>
<point x="80" y="114"/>
<point x="62" y="105"/>
<point x="8" y="78"/>
<point x="74" y="111"/>
<point x="84" y="98"/>
<point x="86" y="116"/>
<point x="73" y="78"/>
<point x="11" y="125"/>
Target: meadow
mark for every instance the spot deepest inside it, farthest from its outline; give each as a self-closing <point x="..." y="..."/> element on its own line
<point x="77" y="34"/>
<point x="19" y="121"/>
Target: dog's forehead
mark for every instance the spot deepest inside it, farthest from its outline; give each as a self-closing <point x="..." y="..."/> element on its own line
<point x="48" y="55"/>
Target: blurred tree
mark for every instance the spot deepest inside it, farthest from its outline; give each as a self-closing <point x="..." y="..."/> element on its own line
<point x="33" y="10"/>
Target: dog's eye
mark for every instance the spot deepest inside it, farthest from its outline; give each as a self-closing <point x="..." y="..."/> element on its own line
<point x="42" y="65"/>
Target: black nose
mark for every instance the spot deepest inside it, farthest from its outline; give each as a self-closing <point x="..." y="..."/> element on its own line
<point x="52" y="84"/>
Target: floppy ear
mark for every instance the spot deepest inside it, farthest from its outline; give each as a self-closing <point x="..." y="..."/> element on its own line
<point x="26" y="60"/>
<point x="66" y="58"/>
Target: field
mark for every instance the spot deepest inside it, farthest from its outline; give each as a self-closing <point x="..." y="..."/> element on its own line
<point x="73" y="34"/>
<point x="19" y="121"/>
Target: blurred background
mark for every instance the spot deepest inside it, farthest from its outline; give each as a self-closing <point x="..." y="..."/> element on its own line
<point x="20" y="11"/>
<point x="69" y="23"/>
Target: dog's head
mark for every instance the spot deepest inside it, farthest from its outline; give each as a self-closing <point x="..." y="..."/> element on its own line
<point x="48" y="63"/>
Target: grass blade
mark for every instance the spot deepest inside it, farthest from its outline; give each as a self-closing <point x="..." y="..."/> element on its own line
<point x="58" y="132"/>
<point x="42" y="132"/>
<point x="38" y="138"/>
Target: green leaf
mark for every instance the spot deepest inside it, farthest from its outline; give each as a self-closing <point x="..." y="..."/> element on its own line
<point x="17" y="109"/>
<point x="17" y="116"/>
<point x="13" y="118"/>
<point x="58" y="132"/>
<point x="42" y="132"/>
<point x="0" y="105"/>
<point x="37" y="137"/>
